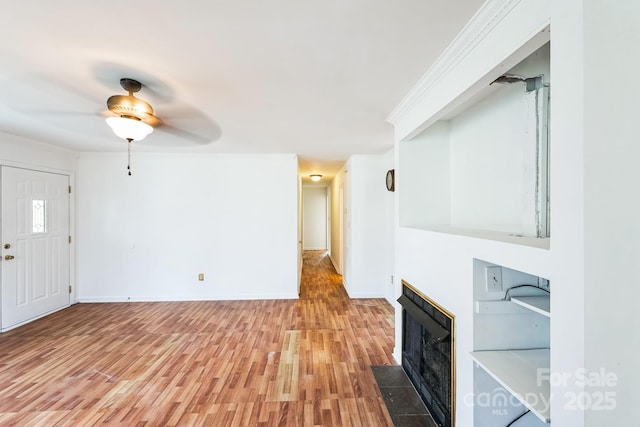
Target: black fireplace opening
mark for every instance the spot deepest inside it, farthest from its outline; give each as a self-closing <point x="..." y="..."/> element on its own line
<point x="427" y="348"/>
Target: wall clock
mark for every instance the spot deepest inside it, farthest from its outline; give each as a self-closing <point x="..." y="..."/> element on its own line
<point x="391" y="181"/>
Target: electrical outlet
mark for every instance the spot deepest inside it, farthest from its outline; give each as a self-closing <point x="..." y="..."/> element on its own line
<point x="201" y="277"/>
<point x="494" y="278"/>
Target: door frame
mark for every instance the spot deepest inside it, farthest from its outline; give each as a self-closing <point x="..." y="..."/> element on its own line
<point x="73" y="296"/>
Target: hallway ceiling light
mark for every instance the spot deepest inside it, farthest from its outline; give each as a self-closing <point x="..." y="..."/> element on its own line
<point x="315" y="177"/>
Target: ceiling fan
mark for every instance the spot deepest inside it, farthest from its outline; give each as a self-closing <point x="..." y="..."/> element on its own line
<point x="144" y="104"/>
<point x="133" y="119"/>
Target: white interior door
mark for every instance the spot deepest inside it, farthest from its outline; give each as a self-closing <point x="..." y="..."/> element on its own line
<point x="314" y="228"/>
<point x="35" y="244"/>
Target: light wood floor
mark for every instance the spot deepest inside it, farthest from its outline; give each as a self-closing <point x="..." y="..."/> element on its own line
<point x="220" y="363"/>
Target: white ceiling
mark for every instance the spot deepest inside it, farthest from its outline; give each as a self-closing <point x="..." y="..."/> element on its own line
<point x="315" y="78"/>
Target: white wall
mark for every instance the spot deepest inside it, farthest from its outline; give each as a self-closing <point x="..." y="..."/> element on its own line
<point x="426" y="175"/>
<point x="337" y="241"/>
<point x="389" y="234"/>
<point x="567" y="204"/>
<point x="486" y="182"/>
<point x="148" y="236"/>
<point x="314" y="224"/>
<point x="366" y="270"/>
<point x="299" y="245"/>
<point x="18" y="151"/>
<point x="611" y="201"/>
<point x="595" y="202"/>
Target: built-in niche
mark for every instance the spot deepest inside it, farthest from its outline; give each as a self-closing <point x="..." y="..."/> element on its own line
<point x="511" y="341"/>
<point x="483" y="169"/>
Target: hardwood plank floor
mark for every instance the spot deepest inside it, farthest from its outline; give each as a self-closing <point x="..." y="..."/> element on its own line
<point x="218" y="363"/>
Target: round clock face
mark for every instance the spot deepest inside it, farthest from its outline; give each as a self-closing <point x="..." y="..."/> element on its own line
<point x="390" y="180"/>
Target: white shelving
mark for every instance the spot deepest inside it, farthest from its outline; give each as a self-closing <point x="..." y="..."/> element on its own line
<point x="519" y="372"/>
<point x="511" y="347"/>
<point x="539" y="304"/>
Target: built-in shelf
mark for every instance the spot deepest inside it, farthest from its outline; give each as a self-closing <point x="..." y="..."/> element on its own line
<point x="498" y="236"/>
<point x="452" y="185"/>
<point x="499" y="307"/>
<point x="519" y="372"/>
<point x="539" y="304"/>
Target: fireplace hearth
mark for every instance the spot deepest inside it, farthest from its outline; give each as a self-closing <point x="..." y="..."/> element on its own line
<point x="428" y="354"/>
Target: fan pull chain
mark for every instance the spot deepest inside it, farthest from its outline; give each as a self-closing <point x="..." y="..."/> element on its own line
<point x="129" y="155"/>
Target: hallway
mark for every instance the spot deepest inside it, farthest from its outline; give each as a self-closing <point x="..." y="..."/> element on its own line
<point x="259" y="363"/>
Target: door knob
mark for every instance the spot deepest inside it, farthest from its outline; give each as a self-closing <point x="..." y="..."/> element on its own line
<point x="8" y="257"/>
<point x="7" y="245"/>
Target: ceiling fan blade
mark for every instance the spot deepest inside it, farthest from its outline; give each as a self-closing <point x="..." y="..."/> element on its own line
<point x="177" y="111"/>
<point x="56" y="112"/>
<point x="187" y="123"/>
<point x="188" y="135"/>
<point x="49" y="93"/>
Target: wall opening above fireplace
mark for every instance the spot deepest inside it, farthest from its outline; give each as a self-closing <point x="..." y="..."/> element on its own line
<point x="428" y="353"/>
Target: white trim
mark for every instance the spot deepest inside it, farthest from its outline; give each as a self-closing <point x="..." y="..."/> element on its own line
<point x="36" y="167"/>
<point x="184" y="298"/>
<point x="397" y="354"/>
<point x="365" y="295"/>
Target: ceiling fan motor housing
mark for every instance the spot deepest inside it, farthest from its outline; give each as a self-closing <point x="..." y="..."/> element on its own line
<point x="130" y="107"/>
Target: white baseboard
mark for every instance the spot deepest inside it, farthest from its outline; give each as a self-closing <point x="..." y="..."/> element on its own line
<point x="335" y="265"/>
<point x="173" y="298"/>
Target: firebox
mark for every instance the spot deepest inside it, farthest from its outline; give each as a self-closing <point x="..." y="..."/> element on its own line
<point x="428" y="353"/>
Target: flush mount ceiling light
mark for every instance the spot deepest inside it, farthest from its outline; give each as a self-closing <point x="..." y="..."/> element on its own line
<point x="315" y="177"/>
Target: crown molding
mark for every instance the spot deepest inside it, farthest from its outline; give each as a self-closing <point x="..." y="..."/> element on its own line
<point x="480" y="25"/>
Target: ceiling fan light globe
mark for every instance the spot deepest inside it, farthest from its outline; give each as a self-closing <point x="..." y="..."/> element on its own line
<point x="129" y="129"/>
